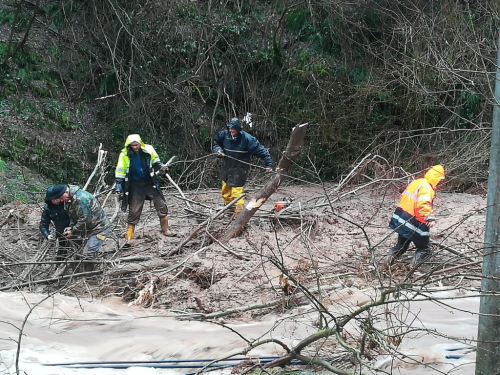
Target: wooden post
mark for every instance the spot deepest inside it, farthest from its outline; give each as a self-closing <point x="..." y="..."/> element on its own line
<point x="290" y="155"/>
<point x="488" y="346"/>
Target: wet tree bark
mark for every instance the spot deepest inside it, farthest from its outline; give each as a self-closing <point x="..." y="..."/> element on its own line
<point x="290" y="155"/>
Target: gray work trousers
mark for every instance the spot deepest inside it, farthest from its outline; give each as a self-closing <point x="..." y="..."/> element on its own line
<point x="95" y="243"/>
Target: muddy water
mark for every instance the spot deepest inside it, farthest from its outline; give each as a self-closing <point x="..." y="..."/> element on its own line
<point x="65" y="329"/>
<point x="455" y="318"/>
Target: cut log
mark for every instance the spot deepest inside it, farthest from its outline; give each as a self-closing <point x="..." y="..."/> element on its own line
<point x="290" y="155"/>
<point x="148" y="265"/>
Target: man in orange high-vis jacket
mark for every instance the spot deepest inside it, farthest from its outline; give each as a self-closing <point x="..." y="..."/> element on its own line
<point x="414" y="217"/>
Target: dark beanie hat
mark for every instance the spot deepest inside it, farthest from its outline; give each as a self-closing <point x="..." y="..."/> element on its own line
<point x="55" y="192"/>
<point x="235" y="124"/>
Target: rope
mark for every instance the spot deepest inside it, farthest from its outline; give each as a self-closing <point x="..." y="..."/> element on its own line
<point x="251" y="165"/>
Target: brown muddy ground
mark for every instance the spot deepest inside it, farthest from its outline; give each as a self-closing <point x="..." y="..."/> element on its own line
<point x="324" y="239"/>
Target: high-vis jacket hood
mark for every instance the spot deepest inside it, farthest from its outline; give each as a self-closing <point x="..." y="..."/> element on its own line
<point x="434" y="175"/>
<point x="124" y="161"/>
<point x="131" y="139"/>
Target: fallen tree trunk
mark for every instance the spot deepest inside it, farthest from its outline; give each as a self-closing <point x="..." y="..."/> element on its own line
<point x="151" y="264"/>
<point x="290" y="155"/>
<point x="453" y="251"/>
<point x="51" y="280"/>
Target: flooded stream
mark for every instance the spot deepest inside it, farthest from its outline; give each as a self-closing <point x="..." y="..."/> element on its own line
<point x="63" y="329"/>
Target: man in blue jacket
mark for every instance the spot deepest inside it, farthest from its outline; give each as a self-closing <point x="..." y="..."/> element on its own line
<point x="236" y="147"/>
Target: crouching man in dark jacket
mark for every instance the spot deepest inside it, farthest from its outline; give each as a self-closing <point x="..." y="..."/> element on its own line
<point x="56" y="215"/>
<point x="87" y="218"/>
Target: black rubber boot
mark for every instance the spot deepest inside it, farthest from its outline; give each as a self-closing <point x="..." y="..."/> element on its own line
<point x="398" y="250"/>
<point x="419" y="258"/>
<point x="389" y="260"/>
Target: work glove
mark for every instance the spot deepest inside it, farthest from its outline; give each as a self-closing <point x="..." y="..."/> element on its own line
<point x="51" y="237"/>
<point x="220" y="154"/>
<point x="269" y="170"/>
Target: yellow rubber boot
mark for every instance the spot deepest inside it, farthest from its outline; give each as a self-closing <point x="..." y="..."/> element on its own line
<point x="130" y="235"/>
<point x="164" y="227"/>
<point x="130" y="231"/>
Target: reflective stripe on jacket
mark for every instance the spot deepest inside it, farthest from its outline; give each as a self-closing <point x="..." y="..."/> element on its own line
<point x="415" y="205"/>
<point x="417" y="200"/>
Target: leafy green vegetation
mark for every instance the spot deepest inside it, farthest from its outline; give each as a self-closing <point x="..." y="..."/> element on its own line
<point x="55" y="111"/>
<point x="55" y="52"/>
<point x="59" y="14"/>
<point x="20" y="184"/>
<point x="296" y="20"/>
<point x="3" y="166"/>
<point x="8" y="16"/>
<point x="24" y="108"/>
<point x="108" y="83"/>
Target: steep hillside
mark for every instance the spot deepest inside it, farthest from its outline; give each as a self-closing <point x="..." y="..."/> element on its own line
<point x="48" y="121"/>
<point x="410" y="82"/>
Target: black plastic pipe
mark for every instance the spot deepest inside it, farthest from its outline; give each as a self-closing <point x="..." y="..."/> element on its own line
<point x="115" y="365"/>
<point x="160" y="361"/>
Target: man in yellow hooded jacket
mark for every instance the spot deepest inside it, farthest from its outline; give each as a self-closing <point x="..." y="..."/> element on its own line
<point x="136" y="181"/>
<point x="414" y="217"/>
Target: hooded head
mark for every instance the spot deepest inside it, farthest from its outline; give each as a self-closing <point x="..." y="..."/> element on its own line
<point x="131" y="139"/>
<point x="235" y="124"/>
<point x="134" y="138"/>
<point x="55" y="192"/>
<point x="434" y="175"/>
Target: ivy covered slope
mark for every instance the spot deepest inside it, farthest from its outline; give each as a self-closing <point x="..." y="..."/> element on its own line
<point x="46" y="116"/>
<point x="410" y="81"/>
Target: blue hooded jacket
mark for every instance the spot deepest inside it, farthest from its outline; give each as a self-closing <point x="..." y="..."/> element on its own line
<point x="233" y="172"/>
